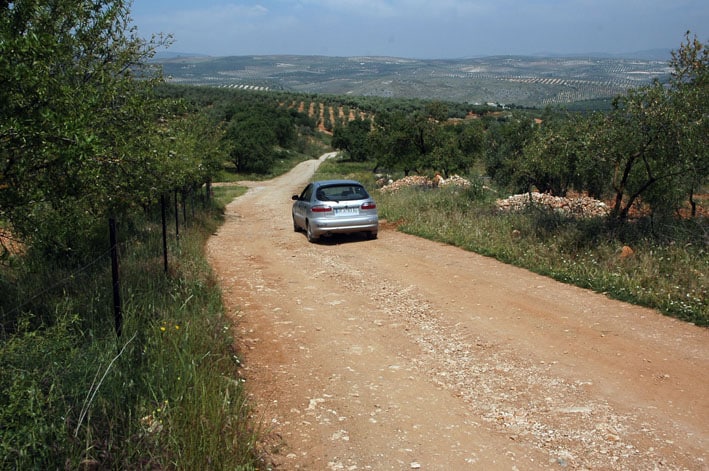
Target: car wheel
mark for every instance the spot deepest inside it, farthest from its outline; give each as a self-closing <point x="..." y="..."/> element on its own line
<point x="296" y="228"/>
<point x="311" y="237"/>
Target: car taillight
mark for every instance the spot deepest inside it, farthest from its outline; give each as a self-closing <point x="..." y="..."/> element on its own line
<point x="369" y="206"/>
<point x="321" y="209"/>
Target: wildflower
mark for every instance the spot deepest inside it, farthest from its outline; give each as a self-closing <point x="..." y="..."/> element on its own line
<point x="162" y="328"/>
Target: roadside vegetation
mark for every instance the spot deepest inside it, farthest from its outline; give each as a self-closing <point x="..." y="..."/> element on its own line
<point x="666" y="268"/>
<point x="115" y="347"/>
<point x="666" y="271"/>
<point x="646" y="158"/>
<point x="165" y="395"/>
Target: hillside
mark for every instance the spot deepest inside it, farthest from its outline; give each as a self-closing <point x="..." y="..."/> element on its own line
<point x="518" y="80"/>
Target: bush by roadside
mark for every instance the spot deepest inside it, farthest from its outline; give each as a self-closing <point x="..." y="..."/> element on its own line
<point x="165" y="395"/>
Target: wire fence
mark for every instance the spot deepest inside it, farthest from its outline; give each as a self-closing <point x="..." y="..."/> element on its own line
<point x="8" y="311"/>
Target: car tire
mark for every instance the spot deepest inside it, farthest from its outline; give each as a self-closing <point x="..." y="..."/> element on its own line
<point x="296" y="228"/>
<point x="311" y="237"/>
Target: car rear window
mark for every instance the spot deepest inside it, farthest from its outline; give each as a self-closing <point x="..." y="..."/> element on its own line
<point x="342" y="193"/>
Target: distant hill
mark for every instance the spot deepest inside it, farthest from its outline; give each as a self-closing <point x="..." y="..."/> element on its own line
<point x="169" y="55"/>
<point x="519" y="80"/>
<point x="663" y="55"/>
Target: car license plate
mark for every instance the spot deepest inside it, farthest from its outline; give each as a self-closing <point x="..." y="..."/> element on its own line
<point x="347" y="212"/>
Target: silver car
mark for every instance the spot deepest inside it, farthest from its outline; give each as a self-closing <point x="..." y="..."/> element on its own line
<point x="335" y="207"/>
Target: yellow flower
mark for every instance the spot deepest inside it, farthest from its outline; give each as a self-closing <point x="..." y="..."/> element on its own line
<point x="162" y="328"/>
<point x="177" y="327"/>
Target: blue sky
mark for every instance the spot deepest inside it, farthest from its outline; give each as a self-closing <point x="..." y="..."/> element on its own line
<point x="428" y="29"/>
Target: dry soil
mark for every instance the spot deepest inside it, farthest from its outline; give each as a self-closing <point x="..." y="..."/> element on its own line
<point x="401" y="353"/>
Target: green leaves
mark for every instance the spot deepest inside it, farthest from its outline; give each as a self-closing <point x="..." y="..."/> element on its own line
<point x="661" y="139"/>
<point x="74" y="120"/>
<point x="353" y="138"/>
<point x="255" y="132"/>
<point x="651" y="148"/>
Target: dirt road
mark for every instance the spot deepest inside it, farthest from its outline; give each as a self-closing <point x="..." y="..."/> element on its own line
<point x="401" y="353"/>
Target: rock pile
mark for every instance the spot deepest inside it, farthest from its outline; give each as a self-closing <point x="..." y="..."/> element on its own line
<point x="577" y="206"/>
<point x="424" y="182"/>
<point x="455" y="180"/>
<point x="406" y="182"/>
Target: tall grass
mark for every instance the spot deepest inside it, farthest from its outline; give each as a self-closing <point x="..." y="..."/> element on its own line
<point x="165" y="395"/>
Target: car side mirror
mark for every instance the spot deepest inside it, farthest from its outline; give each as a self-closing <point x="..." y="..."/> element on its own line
<point x="295" y="197"/>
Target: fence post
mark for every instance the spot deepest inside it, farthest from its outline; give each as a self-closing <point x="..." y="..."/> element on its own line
<point x="183" y="193"/>
<point x="163" y="210"/>
<point x="177" y="218"/>
<point x="192" y="202"/>
<point x="208" y="191"/>
<point x="117" y="307"/>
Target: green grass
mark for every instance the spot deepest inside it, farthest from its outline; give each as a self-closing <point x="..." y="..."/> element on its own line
<point x="165" y="395"/>
<point x="225" y="194"/>
<point x="668" y="271"/>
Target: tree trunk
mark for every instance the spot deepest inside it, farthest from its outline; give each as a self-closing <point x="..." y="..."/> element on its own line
<point x="692" y="203"/>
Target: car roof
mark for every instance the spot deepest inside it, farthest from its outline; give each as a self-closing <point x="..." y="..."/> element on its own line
<point x="335" y="182"/>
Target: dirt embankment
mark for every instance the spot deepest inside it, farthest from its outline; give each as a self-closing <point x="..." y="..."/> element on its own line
<point x="401" y="353"/>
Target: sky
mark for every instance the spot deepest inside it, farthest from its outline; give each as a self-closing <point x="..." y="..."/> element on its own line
<point x="421" y="29"/>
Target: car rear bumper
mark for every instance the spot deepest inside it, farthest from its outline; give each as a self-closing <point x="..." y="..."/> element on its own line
<point x="344" y="226"/>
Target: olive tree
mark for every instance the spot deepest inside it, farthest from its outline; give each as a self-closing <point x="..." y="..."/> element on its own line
<point x="353" y="138"/>
<point x="504" y="155"/>
<point x="457" y="148"/>
<point x="558" y="156"/>
<point x="656" y="138"/>
<point x="690" y="81"/>
<point x="76" y="109"/>
<point x="405" y="141"/>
